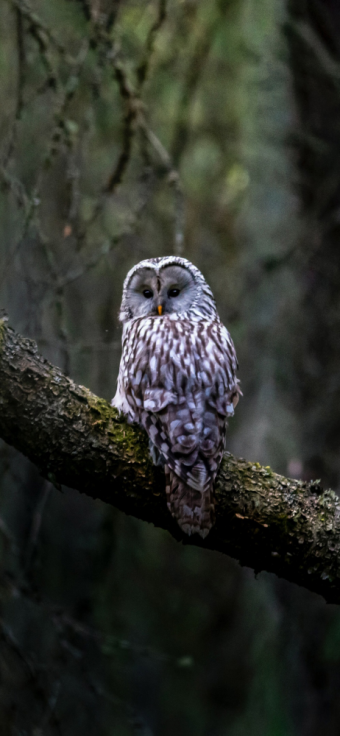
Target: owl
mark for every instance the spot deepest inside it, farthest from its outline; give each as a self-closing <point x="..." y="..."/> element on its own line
<point x="177" y="379"/>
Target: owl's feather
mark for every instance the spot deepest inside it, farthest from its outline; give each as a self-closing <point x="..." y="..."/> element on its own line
<point x="194" y="510"/>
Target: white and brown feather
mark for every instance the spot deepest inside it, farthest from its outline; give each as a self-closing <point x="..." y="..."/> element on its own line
<point x="178" y="380"/>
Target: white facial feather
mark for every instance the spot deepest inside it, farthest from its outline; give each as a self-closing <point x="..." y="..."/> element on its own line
<point x="160" y="276"/>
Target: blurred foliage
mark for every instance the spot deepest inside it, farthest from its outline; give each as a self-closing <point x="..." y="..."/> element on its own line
<point x="131" y="129"/>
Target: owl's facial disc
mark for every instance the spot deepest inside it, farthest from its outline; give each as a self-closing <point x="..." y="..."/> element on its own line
<point x="172" y="289"/>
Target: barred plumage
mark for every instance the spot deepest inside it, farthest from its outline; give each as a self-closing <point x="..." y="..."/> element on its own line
<point x="177" y="379"/>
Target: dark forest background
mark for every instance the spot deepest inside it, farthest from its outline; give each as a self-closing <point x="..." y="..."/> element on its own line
<point x="131" y="129"/>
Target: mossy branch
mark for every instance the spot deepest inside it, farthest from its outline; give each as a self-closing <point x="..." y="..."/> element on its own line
<point x="264" y="520"/>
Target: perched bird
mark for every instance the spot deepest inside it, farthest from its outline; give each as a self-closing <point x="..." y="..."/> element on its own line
<point x="177" y="379"/>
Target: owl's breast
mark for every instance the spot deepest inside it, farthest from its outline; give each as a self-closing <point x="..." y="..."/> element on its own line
<point x="179" y="356"/>
<point x="179" y="382"/>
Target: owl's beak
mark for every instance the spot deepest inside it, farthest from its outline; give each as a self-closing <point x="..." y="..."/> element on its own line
<point x="160" y="310"/>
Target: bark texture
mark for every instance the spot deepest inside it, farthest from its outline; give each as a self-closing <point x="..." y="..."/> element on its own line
<point x="264" y="520"/>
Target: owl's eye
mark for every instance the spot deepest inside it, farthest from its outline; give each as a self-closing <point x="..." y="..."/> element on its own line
<point x="173" y="292"/>
<point x="147" y="293"/>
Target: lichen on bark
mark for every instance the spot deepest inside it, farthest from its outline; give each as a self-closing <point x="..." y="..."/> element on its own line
<point x="266" y="521"/>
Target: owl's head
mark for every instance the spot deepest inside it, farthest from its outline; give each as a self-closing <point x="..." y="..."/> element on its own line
<point x="171" y="285"/>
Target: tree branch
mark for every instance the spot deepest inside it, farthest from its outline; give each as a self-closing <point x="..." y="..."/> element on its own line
<point x="264" y="520"/>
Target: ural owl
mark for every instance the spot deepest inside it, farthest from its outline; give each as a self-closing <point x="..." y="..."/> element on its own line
<point x="177" y="379"/>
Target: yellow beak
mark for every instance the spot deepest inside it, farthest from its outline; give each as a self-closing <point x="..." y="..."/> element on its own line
<point x="160" y="309"/>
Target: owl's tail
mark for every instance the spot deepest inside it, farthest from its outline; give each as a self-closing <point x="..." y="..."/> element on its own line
<point x="194" y="510"/>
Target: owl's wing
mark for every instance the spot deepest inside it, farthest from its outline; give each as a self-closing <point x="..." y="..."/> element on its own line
<point x="182" y="388"/>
